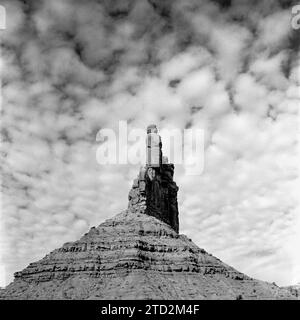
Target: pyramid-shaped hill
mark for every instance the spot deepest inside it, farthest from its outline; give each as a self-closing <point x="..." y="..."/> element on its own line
<point x="138" y="254"/>
<point x="135" y="256"/>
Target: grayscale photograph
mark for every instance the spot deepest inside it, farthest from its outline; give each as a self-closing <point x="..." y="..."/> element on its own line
<point x="149" y="151"/>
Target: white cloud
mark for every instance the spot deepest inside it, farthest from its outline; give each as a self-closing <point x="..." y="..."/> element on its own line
<point x="185" y="62"/>
<point x="196" y="86"/>
<point x="268" y="71"/>
<point x="274" y="30"/>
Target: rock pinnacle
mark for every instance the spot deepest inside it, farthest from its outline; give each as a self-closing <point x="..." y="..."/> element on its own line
<point x="154" y="192"/>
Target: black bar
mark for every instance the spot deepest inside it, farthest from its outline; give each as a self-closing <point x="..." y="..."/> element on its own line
<point x="146" y="309"/>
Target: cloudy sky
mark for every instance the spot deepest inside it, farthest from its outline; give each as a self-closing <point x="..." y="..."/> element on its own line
<point x="231" y="68"/>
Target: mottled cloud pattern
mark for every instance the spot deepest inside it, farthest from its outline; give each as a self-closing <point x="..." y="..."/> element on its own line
<point x="231" y="68"/>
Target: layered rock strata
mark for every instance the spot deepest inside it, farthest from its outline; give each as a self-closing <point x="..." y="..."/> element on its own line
<point x="135" y="256"/>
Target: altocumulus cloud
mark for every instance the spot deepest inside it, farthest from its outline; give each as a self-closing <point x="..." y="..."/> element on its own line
<point x="230" y="67"/>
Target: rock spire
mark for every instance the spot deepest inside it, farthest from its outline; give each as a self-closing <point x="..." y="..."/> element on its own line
<point x="154" y="192"/>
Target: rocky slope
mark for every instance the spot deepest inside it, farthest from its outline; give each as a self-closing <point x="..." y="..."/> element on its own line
<point x="135" y="256"/>
<point x="294" y="290"/>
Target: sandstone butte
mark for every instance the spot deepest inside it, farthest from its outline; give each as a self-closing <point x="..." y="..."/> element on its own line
<point x="138" y="254"/>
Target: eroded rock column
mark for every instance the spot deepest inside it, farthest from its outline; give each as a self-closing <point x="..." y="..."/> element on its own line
<point x="154" y="192"/>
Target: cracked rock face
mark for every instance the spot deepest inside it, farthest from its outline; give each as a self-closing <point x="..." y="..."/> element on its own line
<point x="135" y="256"/>
<point x="155" y="193"/>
